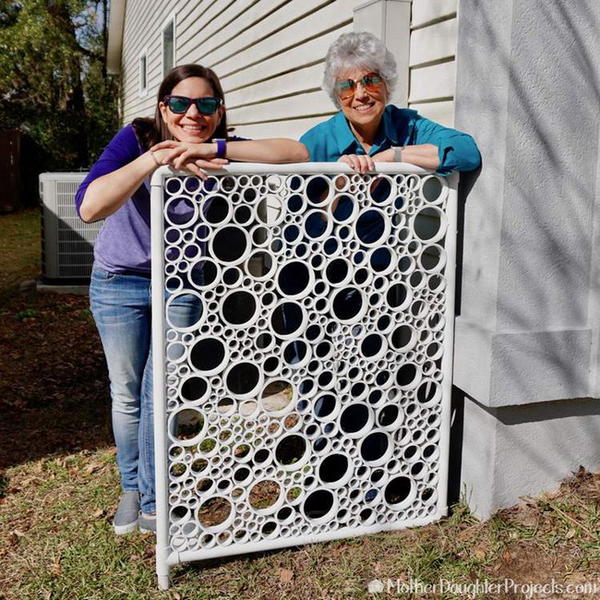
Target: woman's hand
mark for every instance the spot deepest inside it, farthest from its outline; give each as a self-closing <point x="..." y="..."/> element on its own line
<point x="361" y="163"/>
<point x="187" y="156"/>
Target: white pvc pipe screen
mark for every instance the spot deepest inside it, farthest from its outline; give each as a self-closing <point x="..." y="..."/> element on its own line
<point x="306" y="396"/>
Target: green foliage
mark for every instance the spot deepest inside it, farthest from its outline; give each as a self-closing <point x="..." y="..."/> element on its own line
<point x="53" y="82"/>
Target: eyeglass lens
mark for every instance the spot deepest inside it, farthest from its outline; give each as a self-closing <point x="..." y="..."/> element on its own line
<point x="347" y="87"/>
<point x="205" y="106"/>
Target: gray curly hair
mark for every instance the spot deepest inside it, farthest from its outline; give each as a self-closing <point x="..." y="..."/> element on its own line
<point x="358" y="50"/>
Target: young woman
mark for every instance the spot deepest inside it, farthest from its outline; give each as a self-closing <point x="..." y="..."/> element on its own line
<point x="189" y="131"/>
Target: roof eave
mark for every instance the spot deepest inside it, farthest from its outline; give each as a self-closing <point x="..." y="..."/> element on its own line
<point x="115" y="36"/>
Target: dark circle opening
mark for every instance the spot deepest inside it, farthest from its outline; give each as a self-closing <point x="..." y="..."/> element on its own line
<point x="347" y="303"/>
<point x="287" y="318"/>
<point x="354" y="418"/>
<point x="241" y="474"/>
<point x="374" y="396"/>
<point x="271" y="364"/>
<point x="388" y="415"/>
<point x="239" y="307"/>
<point x="323" y="349"/>
<point x="380" y="189"/>
<point x="295" y="203"/>
<point x="333" y="468"/>
<point x="325" y="378"/>
<point x="426" y="392"/>
<point x="315" y="224"/>
<point x="216" y="209"/>
<point x="344" y="206"/>
<point x="336" y="271"/>
<point x="290" y="450"/>
<point x="406" y="374"/>
<point x="229" y="244"/>
<point x="264" y="340"/>
<point x="295" y="352"/>
<point x="432" y="188"/>
<point x="242" y="378"/>
<point x="317" y="189"/>
<point x="374" y="446"/>
<point x="318" y="504"/>
<point x="371" y="345"/>
<point x="397" y="490"/>
<point x="291" y="233"/>
<point x="431" y="257"/>
<point x="231" y="276"/>
<point x="194" y="388"/>
<point x="242" y="214"/>
<point x="401" y="337"/>
<point x="370" y="226"/>
<point x="324" y="405"/>
<point x="381" y="259"/>
<point x="358" y="389"/>
<point x="320" y="444"/>
<point x="203" y="273"/>
<point x="313" y="332"/>
<point x="293" y="279"/>
<point x="207" y="354"/>
<point x="396" y="295"/>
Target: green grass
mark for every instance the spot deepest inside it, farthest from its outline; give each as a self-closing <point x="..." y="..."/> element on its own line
<point x="59" y="490"/>
<point x="57" y="542"/>
<point x="20" y="250"/>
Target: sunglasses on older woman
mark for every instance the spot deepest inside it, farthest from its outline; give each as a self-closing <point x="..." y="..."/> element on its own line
<point x="180" y="104"/>
<point x="347" y="87"/>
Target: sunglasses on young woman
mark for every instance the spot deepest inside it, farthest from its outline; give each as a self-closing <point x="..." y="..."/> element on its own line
<point x="180" y="104"/>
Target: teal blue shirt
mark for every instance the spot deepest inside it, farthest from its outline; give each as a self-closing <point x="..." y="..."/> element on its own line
<point x="333" y="138"/>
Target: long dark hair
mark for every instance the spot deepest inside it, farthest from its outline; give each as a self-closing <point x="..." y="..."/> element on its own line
<point x="152" y="131"/>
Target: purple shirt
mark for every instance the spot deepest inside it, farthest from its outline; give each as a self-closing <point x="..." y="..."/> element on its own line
<point x="123" y="244"/>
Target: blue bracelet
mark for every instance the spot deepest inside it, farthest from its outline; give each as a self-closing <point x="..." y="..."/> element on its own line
<point x="221" y="148"/>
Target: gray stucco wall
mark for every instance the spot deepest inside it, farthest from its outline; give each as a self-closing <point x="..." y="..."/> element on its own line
<point x="528" y="88"/>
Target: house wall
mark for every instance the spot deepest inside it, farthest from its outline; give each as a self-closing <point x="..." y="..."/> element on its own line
<point x="269" y="55"/>
<point x="526" y="346"/>
<point x="433" y="31"/>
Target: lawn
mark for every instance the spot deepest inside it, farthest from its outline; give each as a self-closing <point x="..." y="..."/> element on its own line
<point x="59" y="488"/>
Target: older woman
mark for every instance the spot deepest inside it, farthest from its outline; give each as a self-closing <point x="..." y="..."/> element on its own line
<point x="360" y="74"/>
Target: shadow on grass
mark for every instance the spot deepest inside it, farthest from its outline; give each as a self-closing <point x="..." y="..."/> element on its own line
<point x="54" y="395"/>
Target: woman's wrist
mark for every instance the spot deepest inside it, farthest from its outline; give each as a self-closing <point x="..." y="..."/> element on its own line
<point x="155" y="159"/>
<point x="398" y="153"/>
<point x="221" y="151"/>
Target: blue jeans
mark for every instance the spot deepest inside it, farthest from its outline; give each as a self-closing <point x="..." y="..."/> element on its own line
<point x="121" y="305"/>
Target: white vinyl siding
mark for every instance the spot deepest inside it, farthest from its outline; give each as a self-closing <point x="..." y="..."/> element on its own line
<point x="268" y="54"/>
<point x="432" y="59"/>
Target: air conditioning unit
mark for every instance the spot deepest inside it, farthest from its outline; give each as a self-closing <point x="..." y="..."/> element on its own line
<point x="67" y="242"/>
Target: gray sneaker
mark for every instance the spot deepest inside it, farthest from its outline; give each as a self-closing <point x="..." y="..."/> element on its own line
<point x="126" y="517"/>
<point x="147" y="523"/>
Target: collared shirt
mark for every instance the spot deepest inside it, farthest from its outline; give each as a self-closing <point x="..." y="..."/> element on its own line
<point x="333" y="138"/>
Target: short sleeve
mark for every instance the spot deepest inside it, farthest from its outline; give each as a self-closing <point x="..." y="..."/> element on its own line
<point x="121" y="150"/>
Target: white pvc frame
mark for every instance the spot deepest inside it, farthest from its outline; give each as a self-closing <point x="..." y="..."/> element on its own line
<point x="166" y="556"/>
